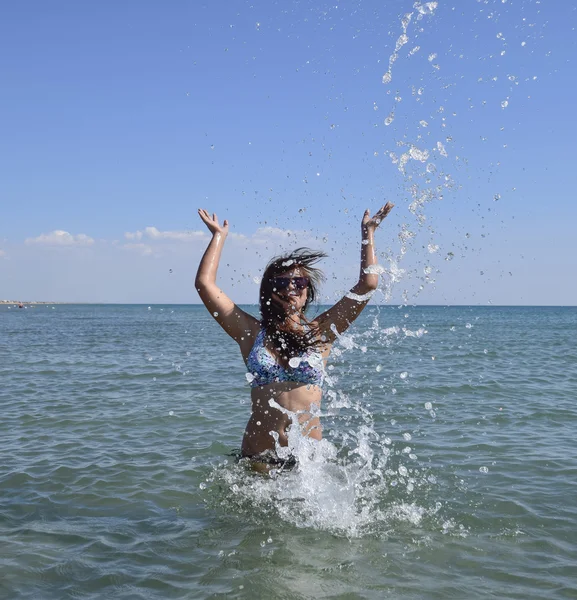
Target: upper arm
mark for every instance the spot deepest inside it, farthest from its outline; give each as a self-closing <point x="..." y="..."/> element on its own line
<point x="339" y="317"/>
<point x="235" y="321"/>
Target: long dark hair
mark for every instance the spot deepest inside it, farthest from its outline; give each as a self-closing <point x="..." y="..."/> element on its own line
<point x="289" y="339"/>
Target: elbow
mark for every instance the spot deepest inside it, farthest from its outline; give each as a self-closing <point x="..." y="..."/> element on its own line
<point x="368" y="284"/>
<point x="200" y="284"/>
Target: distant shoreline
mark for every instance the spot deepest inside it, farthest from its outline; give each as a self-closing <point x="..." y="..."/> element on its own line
<point x="26" y="302"/>
<point x="44" y="302"/>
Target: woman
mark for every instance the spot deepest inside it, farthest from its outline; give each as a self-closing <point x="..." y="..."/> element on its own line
<point x="284" y="352"/>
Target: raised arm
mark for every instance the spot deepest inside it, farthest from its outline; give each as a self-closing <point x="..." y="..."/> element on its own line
<point x="228" y="315"/>
<point x="346" y="310"/>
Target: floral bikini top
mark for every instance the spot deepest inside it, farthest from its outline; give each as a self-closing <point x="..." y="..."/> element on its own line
<point x="263" y="368"/>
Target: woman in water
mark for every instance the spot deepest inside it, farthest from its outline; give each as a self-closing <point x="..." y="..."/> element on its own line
<point x="284" y="352"/>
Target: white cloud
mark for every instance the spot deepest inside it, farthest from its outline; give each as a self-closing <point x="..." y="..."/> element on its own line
<point x="274" y="232"/>
<point x="152" y="233"/>
<point x="262" y="236"/>
<point x="143" y="249"/>
<point x="137" y="235"/>
<point x="59" y="237"/>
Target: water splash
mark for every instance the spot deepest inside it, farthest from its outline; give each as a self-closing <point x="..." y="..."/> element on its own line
<point x="355" y="482"/>
<point x="422" y="10"/>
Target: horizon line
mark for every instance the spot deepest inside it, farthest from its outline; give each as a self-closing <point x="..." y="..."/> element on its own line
<point x="392" y="305"/>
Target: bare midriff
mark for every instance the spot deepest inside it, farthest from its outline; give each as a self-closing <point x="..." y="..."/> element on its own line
<point x="302" y="399"/>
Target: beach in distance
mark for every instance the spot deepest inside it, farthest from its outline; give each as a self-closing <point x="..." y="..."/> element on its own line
<point x="447" y="469"/>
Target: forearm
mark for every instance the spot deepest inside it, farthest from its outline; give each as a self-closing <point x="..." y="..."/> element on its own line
<point x="367" y="280"/>
<point x="208" y="267"/>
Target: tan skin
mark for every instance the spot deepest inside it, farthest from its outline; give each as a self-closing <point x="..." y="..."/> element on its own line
<point x="243" y="328"/>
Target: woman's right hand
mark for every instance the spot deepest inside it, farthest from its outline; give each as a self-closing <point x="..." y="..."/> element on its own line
<point x="212" y="222"/>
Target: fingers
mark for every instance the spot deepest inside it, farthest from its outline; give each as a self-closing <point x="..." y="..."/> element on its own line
<point x="384" y="211"/>
<point x="205" y="216"/>
<point x="386" y="208"/>
<point x="211" y="221"/>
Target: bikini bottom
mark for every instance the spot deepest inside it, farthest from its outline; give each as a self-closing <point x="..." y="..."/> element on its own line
<point x="267" y="460"/>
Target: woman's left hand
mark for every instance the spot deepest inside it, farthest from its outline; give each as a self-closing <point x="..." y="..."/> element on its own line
<point x="369" y="223"/>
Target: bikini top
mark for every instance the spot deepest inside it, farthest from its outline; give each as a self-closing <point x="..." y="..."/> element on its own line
<point x="263" y="368"/>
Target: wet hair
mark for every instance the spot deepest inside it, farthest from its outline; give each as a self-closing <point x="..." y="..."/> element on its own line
<point x="289" y="340"/>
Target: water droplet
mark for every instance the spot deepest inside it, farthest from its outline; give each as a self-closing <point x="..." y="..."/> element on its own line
<point x="171" y="413"/>
<point x="404" y="375"/>
<point x="441" y="149"/>
<point x="215" y="314"/>
<point x="428" y="405"/>
<point x="484" y="469"/>
<point x="202" y="486"/>
<point x="420" y="155"/>
<point x="468" y="326"/>
<point x="407" y="436"/>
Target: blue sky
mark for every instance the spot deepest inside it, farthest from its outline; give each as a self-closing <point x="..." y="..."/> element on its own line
<point x="121" y="119"/>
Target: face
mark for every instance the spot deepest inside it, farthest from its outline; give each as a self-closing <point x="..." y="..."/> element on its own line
<point x="291" y="289"/>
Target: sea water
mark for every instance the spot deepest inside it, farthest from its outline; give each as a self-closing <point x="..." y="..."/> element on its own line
<point x="448" y="467"/>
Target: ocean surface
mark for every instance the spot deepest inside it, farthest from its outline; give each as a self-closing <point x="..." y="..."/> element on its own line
<point x="448" y="469"/>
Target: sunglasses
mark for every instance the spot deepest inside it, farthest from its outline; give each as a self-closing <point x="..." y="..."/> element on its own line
<point x="282" y="283"/>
